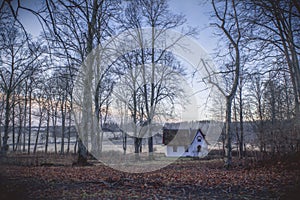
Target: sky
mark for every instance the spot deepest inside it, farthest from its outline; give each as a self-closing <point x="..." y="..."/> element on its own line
<point x="29" y="21"/>
<point x="196" y="11"/>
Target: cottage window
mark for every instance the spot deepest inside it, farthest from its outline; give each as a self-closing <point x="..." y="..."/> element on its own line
<point x="198" y="148"/>
<point x="199" y="138"/>
<point x="174" y="148"/>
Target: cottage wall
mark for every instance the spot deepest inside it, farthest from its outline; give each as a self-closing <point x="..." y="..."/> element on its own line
<point x="192" y="149"/>
<point x="180" y="150"/>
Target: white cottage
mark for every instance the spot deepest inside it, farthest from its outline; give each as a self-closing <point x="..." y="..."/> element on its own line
<point x="184" y="142"/>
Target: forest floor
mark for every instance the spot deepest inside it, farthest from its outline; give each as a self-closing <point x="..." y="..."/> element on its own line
<point x="185" y="179"/>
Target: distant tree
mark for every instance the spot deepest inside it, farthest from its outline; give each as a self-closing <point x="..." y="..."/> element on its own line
<point x="157" y="16"/>
<point x="39" y="100"/>
<point x="255" y="109"/>
<point x="19" y="58"/>
<point x="48" y="102"/>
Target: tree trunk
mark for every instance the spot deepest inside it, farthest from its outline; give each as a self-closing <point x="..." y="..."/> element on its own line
<point x="228" y="148"/>
<point x="54" y="120"/>
<point x="4" y="147"/>
<point x="152" y="98"/>
<point x="137" y="144"/>
<point x="150" y="145"/>
<point x="236" y="125"/>
<point x="63" y="124"/>
<point x="38" y="133"/>
<point x="25" y="117"/>
<point x="82" y="153"/>
<point x="124" y="142"/>
<point x="100" y="141"/>
<point x="97" y="138"/>
<point x="82" y="150"/>
<point x="69" y="129"/>
<point x="47" y="130"/>
<point x="29" y="120"/>
<point x="241" y="140"/>
<point x="20" y="128"/>
<point x="13" y="123"/>
<point x="76" y="143"/>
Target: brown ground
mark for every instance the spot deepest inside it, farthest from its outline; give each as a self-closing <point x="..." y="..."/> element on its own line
<point x="185" y="179"/>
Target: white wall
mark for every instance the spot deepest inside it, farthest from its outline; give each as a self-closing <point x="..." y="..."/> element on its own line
<point x="170" y="153"/>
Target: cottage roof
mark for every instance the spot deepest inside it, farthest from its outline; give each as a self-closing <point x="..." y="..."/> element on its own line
<point x="182" y="134"/>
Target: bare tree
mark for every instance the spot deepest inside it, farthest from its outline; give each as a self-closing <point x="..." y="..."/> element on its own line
<point x="76" y="27"/>
<point x="157" y="16"/>
<point x="226" y="15"/>
<point x="277" y="23"/>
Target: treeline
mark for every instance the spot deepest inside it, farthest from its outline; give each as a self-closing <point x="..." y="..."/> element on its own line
<point x="258" y="58"/>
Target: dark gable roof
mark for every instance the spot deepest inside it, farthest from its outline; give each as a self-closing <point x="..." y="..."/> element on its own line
<point x="182" y="134"/>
